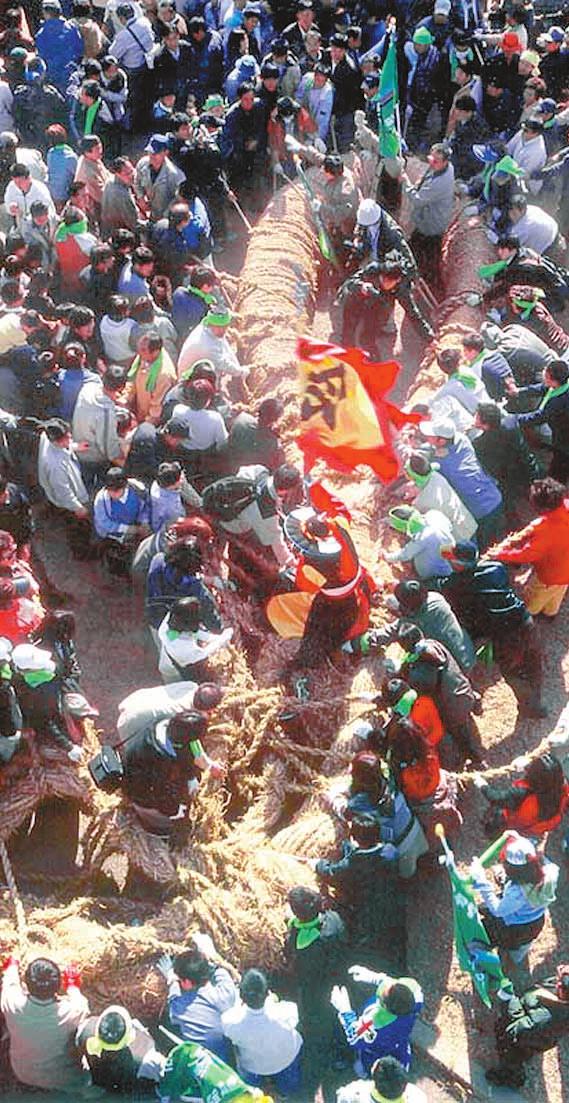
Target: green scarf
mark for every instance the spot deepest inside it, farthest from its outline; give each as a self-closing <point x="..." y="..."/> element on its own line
<point x="488" y="271"/>
<point x="206" y="296"/>
<point x="35" y="678"/>
<point x="306" y="933"/>
<point x="527" y="306"/>
<point x="63" y="231"/>
<point x="549" y="124"/>
<point x="553" y="392"/>
<point x="172" y="634"/>
<point x="405" y="703"/>
<point x="468" y="381"/>
<point x="153" y="371"/>
<point x="90" y="116"/>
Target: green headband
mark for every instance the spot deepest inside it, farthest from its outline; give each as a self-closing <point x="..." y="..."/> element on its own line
<point x="409" y="526"/>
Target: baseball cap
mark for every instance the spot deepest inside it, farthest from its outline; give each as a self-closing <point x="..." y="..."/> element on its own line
<point x="442" y="7"/>
<point x="158" y="143"/>
<point x="546" y="107"/>
<point x="518" y="851"/>
<point x="51" y="5"/>
<point x="487" y="154"/>
<point x="532" y="124"/>
<point x="554" y="34"/>
<point x="530" y="56"/>
<point x="438" y="427"/>
<point x="370" y="81"/>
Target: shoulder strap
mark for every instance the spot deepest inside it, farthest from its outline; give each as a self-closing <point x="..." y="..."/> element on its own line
<point x="136" y="39"/>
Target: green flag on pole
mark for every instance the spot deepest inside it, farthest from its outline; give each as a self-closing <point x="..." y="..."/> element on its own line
<point x="388" y="98"/>
<point x="472" y="945"/>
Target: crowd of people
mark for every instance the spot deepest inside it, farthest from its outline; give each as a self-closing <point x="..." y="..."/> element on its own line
<point x="137" y="142"/>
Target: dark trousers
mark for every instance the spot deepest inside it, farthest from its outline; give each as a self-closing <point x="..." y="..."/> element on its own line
<point x="490" y="528"/>
<point x="140" y="85"/>
<point x="427" y="253"/>
<point x="559" y="466"/>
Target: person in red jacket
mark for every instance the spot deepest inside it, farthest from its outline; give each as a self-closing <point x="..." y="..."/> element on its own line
<point x="545" y="544"/>
<point x="533" y="805"/>
<point x="73" y="245"/>
<point x="420" y="708"/>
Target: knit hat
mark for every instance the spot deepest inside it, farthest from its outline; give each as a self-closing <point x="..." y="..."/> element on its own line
<point x="423" y="37"/>
<point x="218" y="318"/>
<point x="554" y="34"/>
<point x="247" y="66"/>
<point x="531" y="56"/>
<point x="511" y="42"/>
<point x="406" y="520"/>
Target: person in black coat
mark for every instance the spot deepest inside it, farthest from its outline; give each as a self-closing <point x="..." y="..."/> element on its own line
<point x="529" y="1025"/>
<point x="368" y="894"/>
<point x="471" y="129"/>
<point x="243" y="141"/>
<point x="172" y="68"/>
<point x="346" y="77"/>
<point x="315" y="949"/>
<point x="120" y="1053"/>
<point x="553" y="410"/>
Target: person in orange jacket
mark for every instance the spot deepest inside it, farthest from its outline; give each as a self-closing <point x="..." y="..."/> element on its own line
<point x="534" y="804"/>
<point x="545" y="544"/>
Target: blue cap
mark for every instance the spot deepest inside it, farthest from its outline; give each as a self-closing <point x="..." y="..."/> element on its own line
<point x="488" y="154"/>
<point x="158" y="143"/>
<point x="35" y="70"/>
<point x="546" y="107"/>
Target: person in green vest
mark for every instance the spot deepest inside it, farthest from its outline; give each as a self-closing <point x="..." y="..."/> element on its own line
<point x="192" y="1072"/>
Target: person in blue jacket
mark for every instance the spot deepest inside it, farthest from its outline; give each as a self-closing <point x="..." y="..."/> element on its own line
<point x="459" y="464"/>
<point x="383" y="1027"/>
<point x="192" y="301"/>
<point x="175" y="574"/>
<point x="59" y="43"/>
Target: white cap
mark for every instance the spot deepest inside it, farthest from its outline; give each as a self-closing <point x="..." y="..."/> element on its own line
<point x="368" y="212"/>
<point x="438" y="427"/>
<point x="519" y="851"/>
<point x="6" y="647"/>
<point x="442" y="7"/>
<point x="28" y="657"/>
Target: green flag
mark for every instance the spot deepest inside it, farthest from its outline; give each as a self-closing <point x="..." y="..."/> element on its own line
<point x="472" y="945"/>
<point x="388" y="98"/>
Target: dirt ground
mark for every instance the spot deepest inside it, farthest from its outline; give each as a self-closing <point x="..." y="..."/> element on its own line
<point x="118" y="656"/>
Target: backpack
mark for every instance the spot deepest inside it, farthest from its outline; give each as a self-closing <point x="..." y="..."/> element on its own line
<point x="225" y="499"/>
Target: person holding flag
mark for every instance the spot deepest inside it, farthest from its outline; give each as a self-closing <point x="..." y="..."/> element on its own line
<point x="383" y="1027"/>
<point x="382" y="95"/>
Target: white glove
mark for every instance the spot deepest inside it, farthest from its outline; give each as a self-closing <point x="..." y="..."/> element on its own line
<point x="477" y="871"/>
<point x="278" y="169"/>
<point x="362" y="975"/>
<point x="521" y="762"/>
<point x="292" y="144"/>
<point x="362" y="729"/>
<point x="360" y="117"/>
<point x="165" y="965"/>
<point x="75" y="754"/>
<point x="316" y="205"/>
<point x="461" y="187"/>
<point x="473" y="298"/>
<point x="389" y="852"/>
<point x="340" y="999"/>
<point x="492" y="237"/>
<point x="204" y="942"/>
<point x="495" y="316"/>
<point x="478" y="781"/>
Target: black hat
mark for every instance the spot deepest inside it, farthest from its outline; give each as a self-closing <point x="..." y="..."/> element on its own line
<point x="269" y="69"/>
<point x="176" y="427"/>
<point x="340" y="40"/>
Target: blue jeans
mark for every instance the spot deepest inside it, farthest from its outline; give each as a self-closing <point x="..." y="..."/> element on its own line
<point x="286" y="1081"/>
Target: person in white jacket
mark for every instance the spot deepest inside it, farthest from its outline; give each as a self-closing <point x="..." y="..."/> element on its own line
<point x="464" y="385"/>
<point x="263" y="1031"/>
<point x="208" y="341"/>
<point x="433" y="491"/>
<point x="185" y="645"/>
<point x="527" y="147"/>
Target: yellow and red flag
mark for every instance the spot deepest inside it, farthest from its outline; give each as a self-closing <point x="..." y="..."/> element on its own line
<point x="346" y="419"/>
